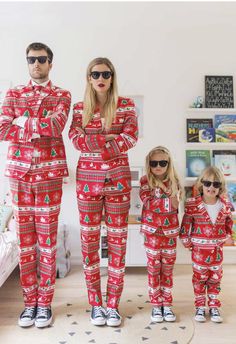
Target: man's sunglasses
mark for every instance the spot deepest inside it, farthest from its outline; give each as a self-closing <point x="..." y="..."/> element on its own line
<point x="207" y="184"/>
<point x="106" y="75"/>
<point x="161" y="163"/>
<point x="41" y="59"/>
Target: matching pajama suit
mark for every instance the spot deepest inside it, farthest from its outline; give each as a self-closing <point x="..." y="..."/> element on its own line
<point x="206" y="240"/>
<point x="36" y="165"/>
<point x="104" y="183"/>
<point x="160" y="226"/>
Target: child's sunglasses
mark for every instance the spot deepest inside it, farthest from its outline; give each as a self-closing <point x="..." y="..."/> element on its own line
<point x="161" y="163"/>
<point x="96" y="75"/>
<point x="41" y="59"/>
<point x="207" y="184"/>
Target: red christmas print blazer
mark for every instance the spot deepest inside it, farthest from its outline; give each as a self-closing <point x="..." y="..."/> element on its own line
<point x="100" y="159"/>
<point x="197" y="228"/>
<point x="157" y="212"/>
<point x="34" y="105"/>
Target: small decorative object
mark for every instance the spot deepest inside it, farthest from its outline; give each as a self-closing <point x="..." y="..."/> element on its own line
<point x="219" y="91"/>
<point x="198" y="102"/>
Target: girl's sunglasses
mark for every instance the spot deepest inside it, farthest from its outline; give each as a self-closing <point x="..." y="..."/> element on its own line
<point x="207" y="184"/>
<point x="96" y="75"/>
<point x="161" y="163"/>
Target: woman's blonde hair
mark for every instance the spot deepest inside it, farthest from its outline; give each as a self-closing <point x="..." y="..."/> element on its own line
<point x="171" y="174"/>
<point x="90" y="100"/>
<point x="217" y="175"/>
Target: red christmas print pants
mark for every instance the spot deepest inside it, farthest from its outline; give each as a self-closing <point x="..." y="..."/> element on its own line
<point x="161" y="256"/>
<point x="36" y="209"/>
<point x="207" y="275"/>
<point x="116" y="208"/>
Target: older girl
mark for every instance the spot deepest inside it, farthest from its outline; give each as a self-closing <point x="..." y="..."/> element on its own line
<point x="160" y="192"/>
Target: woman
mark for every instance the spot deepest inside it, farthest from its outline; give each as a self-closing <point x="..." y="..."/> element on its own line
<point x="104" y="128"/>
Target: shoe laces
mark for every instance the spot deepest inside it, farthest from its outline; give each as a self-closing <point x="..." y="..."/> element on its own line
<point x="112" y="313"/>
<point x="215" y="312"/>
<point x="28" y="312"/>
<point x="168" y="311"/>
<point x="157" y="311"/>
<point x="42" y="312"/>
<point x="98" y="312"/>
<point x="201" y="311"/>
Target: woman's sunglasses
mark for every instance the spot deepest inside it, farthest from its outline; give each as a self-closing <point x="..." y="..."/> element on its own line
<point x="96" y="75"/>
<point x="41" y="59"/>
<point x="207" y="184"/>
<point x="161" y="163"/>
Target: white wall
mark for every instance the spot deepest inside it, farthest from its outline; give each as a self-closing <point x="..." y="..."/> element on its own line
<point x="160" y="50"/>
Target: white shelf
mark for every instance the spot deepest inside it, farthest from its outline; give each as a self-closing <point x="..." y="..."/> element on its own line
<point x="217" y="111"/>
<point x="213" y="145"/>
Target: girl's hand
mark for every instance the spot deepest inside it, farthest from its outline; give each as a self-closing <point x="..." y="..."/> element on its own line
<point x="174" y="202"/>
<point x="110" y="137"/>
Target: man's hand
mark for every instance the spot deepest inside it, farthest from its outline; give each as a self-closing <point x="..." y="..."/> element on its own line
<point x="20" y="121"/>
<point x="110" y="137"/>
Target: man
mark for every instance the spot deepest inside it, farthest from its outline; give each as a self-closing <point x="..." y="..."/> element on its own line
<point x="32" y="120"/>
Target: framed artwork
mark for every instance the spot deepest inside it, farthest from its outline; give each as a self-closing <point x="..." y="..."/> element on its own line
<point x="138" y="101"/>
<point x="219" y="91"/>
<point x="136" y="174"/>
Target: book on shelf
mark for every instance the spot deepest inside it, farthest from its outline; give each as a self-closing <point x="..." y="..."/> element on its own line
<point x="207" y="135"/>
<point x="196" y="161"/>
<point x="225" y="160"/>
<point x="231" y="190"/>
<point x="234" y="230"/>
<point x="193" y="125"/>
<point x="225" y="128"/>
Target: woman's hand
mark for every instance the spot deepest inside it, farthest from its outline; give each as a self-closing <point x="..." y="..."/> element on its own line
<point x="174" y="202"/>
<point x="110" y="137"/>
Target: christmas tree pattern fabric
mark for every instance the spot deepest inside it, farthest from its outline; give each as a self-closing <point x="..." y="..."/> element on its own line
<point x="36" y="164"/>
<point x="103" y="181"/>
<point x="116" y="208"/>
<point x="36" y="210"/>
<point x="25" y="101"/>
<point x="206" y="241"/>
<point x="100" y="159"/>
<point x="160" y="226"/>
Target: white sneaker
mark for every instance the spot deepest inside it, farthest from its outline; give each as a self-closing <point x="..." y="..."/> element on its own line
<point x="113" y="317"/>
<point x="168" y="314"/>
<point x="215" y="315"/>
<point x="200" y="314"/>
<point x="157" y="314"/>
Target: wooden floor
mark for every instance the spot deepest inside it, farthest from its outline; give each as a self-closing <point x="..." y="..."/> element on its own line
<point x="71" y="294"/>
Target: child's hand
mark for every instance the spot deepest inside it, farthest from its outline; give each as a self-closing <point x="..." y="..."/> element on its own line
<point x="174" y="202"/>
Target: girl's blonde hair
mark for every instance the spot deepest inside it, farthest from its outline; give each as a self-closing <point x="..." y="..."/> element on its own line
<point x="90" y="100"/>
<point x="171" y="174"/>
<point x="217" y="175"/>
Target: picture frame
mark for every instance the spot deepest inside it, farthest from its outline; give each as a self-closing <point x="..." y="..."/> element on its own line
<point x="219" y="91"/>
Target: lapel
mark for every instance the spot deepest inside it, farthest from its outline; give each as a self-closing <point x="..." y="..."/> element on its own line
<point x="202" y="209"/>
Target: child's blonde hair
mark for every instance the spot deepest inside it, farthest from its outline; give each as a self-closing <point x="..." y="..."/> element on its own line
<point x="217" y="175"/>
<point x="171" y="174"/>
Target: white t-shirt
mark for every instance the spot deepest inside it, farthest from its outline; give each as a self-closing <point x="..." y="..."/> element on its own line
<point x="213" y="210"/>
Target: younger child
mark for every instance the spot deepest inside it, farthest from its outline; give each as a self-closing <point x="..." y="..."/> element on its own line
<point x="160" y="191"/>
<point x="206" y="224"/>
